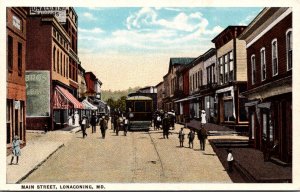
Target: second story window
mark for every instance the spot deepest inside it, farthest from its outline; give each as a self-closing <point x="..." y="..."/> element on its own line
<point x="289" y="49"/>
<point x="54" y="51"/>
<point x="221" y="70"/>
<point x="9" y="53"/>
<point x="274" y="57"/>
<point x="226" y="68"/>
<point x="253" y="69"/>
<point x="231" y="70"/>
<point x="20" y="58"/>
<point x="263" y="64"/>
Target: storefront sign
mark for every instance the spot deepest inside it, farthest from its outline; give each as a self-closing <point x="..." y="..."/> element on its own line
<point x="58" y="12"/>
<point x="37" y="93"/>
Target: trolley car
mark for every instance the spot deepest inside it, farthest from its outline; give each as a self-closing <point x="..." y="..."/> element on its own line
<point x="139" y="110"/>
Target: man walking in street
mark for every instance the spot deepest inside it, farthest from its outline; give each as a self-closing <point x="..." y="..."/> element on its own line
<point x="166" y="126"/>
<point x="83" y="126"/>
<point x="181" y="137"/>
<point x="103" y="126"/>
<point x="202" y="135"/>
<point x="93" y="123"/>
<point x="191" y="137"/>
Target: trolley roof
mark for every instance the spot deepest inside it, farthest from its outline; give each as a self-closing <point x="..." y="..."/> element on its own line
<point x="138" y="98"/>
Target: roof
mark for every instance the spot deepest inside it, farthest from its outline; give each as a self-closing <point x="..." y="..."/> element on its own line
<point x="226" y="30"/>
<point x="180" y="61"/>
<point x="138" y="98"/>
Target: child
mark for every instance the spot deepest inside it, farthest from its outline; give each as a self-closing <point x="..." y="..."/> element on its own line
<point x="191" y="137"/>
<point x="15" y="149"/>
<point x="229" y="160"/>
<point x="181" y="137"/>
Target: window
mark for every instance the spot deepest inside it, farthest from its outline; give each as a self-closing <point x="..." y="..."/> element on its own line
<point x="253" y="69"/>
<point x="57" y="63"/>
<point x="263" y="64"/>
<point x="9" y="53"/>
<point x="252" y="125"/>
<point x="20" y="48"/>
<point x="201" y="78"/>
<point x="54" y="51"/>
<point x="60" y="63"/>
<point x="274" y="57"/>
<point x="231" y="74"/>
<point x="289" y="49"/>
<point x="226" y="68"/>
<point x="221" y="70"/>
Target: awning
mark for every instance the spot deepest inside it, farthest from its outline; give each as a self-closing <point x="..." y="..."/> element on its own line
<point x="188" y="98"/>
<point x="63" y="99"/>
<point x="88" y="105"/>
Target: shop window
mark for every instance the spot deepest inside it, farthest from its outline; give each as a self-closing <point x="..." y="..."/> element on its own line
<point x="9" y="53"/>
<point x="252" y="126"/>
<point x="228" y="110"/>
<point x="8" y="120"/>
<point x="265" y="124"/>
<point x="289" y="49"/>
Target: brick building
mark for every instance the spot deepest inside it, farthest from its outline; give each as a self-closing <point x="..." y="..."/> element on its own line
<point x="16" y="30"/>
<point x="52" y="77"/>
<point x="269" y="57"/>
<point x="160" y="92"/>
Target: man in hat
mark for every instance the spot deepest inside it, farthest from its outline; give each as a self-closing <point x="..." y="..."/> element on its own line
<point x="229" y="160"/>
<point x="181" y="137"/>
<point x="16" y="151"/>
<point x="166" y="126"/>
<point x="83" y="126"/>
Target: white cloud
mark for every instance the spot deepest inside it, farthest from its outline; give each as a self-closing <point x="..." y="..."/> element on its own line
<point x="89" y="16"/>
<point x="94" y="30"/>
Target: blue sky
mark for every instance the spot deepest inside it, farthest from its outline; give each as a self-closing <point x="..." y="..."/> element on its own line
<point x="148" y="36"/>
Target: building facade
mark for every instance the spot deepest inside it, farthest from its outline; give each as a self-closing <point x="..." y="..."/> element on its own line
<point x="231" y="78"/>
<point x="48" y="71"/>
<point x="160" y="93"/>
<point x="269" y="57"/>
<point x="16" y="30"/>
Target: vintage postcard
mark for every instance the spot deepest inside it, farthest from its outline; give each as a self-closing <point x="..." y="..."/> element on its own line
<point x="149" y="95"/>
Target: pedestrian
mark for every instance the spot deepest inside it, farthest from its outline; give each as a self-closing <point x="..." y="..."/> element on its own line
<point x="158" y="121"/>
<point x="229" y="160"/>
<point x="191" y="137"/>
<point x="181" y="137"/>
<point x="103" y="126"/>
<point x="125" y="124"/>
<point x="16" y="151"/>
<point x="202" y="135"/>
<point x="93" y="122"/>
<point x="83" y="126"/>
<point x="172" y="119"/>
<point x="203" y="117"/>
<point x="166" y="126"/>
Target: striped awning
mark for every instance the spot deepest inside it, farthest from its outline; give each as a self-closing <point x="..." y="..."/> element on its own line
<point x="72" y="102"/>
<point x="88" y="105"/>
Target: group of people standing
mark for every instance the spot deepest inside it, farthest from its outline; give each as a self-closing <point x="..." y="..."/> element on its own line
<point x="119" y="122"/>
<point x="164" y="120"/>
<point x="102" y="121"/>
<point x="202" y="136"/>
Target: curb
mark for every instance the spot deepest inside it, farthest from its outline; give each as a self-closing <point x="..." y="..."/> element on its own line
<point x="38" y="165"/>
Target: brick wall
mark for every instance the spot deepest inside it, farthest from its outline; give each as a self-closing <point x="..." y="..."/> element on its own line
<point x="279" y="32"/>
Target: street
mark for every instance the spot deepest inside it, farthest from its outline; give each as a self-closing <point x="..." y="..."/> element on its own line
<point x="139" y="157"/>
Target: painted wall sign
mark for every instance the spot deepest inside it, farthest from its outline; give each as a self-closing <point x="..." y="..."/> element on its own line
<point x="16" y="22"/>
<point x="59" y="12"/>
<point x="37" y="93"/>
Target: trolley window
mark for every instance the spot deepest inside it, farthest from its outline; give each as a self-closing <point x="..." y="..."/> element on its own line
<point x="139" y="106"/>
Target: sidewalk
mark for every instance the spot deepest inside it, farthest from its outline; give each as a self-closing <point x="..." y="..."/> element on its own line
<point x="249" y="166"/>
<point x="39" y="148"/>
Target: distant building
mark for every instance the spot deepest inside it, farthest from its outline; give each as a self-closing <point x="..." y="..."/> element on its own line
<point x="16" y="30"/>
<point x="160" y="92"/>
<point x="269" y="42"/>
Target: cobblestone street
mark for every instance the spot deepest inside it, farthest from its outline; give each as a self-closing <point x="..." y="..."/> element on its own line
<point x="139" y="157"/>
